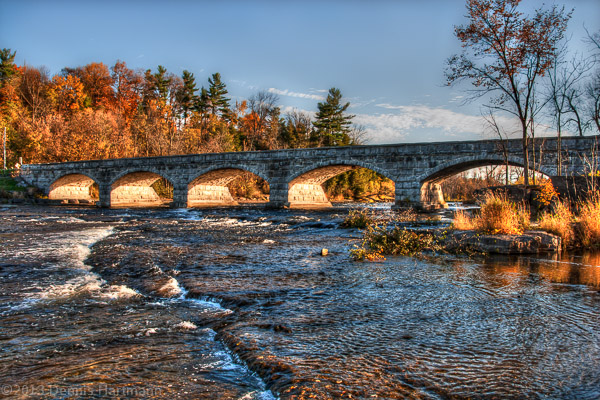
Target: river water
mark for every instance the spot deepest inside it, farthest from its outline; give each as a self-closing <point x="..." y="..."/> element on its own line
<point x="240" y="304"/>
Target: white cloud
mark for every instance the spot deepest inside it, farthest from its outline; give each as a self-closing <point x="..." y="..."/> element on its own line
<point x="425" y="124"/>
<point x="296" y="94"/>
<point x="289" y="109"/>
<point x="404" y="121"/>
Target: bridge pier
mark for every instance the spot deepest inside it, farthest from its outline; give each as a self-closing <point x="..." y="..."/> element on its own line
<point x="278" y="194"/>
<point x="407" y="196"/>
<point x="432" y="197"/>
<point x="104" y="195"/>
<point x="180" y="196"/>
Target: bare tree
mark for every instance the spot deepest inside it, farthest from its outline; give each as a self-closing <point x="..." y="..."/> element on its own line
<point x="263" y="109"/>
<point x="499" y="131"/>
<point x="593" y="93"/>
<point x="298" y="129"/>
<point x="592" y="90"/>
<point x="32" y="89"/>
<point x="505" y="54"/>
<point x="358" y="135"/>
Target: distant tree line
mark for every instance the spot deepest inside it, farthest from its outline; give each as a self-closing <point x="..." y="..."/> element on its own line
<point x="97" y="112"/>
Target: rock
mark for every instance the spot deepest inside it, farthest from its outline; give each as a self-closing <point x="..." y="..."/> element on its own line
<point x="18" y="195"/>
<point x="324" y="252"/>
<point x="529" y="242"/>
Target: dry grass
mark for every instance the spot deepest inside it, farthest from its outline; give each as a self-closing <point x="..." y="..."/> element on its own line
<point x="589" y="222"/>
<point x="462" y="221"/>
<point x="524" y="217"/>
<point x="499" y="215"/>
<point x="560" y="222"/>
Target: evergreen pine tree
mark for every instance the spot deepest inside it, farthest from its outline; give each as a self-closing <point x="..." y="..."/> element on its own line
<point x="202" y="105"/>
<point x="7" y="65"/>
<point x="162" y="82"/>
<point x="331" y="124"/>
<point x="218" y="103"/>
<point x="186" y="96"/>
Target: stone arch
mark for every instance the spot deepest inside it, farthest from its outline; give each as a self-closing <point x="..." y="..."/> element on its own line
<point x="75" y="188"/>
<point x="305" y="185"/>
<point x="209" y="188"/>
<point x="134" y="188"/>
<point x="431" y="195"/>
<point x="455" y="166"/>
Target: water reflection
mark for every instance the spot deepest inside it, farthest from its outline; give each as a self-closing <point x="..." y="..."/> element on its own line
<point x="569" y="268"/>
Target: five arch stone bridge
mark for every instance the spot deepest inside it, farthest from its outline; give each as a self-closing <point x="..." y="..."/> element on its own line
<point x="295" y="176"/>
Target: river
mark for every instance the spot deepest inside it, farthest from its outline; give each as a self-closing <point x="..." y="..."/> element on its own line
<point x="239" y="304"/>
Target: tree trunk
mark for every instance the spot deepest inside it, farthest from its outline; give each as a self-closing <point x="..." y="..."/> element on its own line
<point x="525" y="154"/>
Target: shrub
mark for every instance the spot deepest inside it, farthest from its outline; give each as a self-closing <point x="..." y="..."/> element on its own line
<point x="560" y="222"/>
<point x="357" y="219"/>
<point x="547" y="192"/>
<point x="378" y="241"/>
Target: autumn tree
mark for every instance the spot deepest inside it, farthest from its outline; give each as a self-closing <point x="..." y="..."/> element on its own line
<point x="156" y="125"/>
<point x="97" y="84"/>
<point x="127" y="89"/>
<point x="67" y="94"/>
<point x="504" y="55"/>
<point x="332" y="124"/>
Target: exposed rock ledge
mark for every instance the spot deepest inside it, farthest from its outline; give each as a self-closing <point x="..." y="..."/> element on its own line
<point x="527" y="243"/>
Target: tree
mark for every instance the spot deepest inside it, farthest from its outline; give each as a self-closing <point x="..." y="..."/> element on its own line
<point x="505" y="53"/>
<point x="8" y="73"/>
<point x="127" y="88"/>
<point x="332" y="126"/>
<point x="97" y="83"/>
<point x="262" y="123"/>
<point x="67" y="93"/>
<point x="593" y="93"/>
<point x="213" y="99"/>
<point x="592" y="90"/>
<point x="297" y="129"/>
<point x="186" y="96"/>
<point x="564" y="88"/>
<point x="33" y="90"/>
<point x="7" y="65"/>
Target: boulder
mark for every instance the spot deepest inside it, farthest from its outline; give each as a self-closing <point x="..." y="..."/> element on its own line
<point x="529" y="242"/>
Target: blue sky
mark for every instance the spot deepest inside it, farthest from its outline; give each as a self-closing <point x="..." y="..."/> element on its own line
<point x="387" y="57"/>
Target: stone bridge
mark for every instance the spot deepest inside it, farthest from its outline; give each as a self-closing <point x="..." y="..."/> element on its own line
<point x="295" y="176"/>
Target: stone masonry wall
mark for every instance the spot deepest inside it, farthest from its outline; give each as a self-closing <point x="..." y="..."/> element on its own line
<point x="415" y="168"/>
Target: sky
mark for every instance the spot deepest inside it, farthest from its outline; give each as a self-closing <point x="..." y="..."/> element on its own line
<point x="387" y="57"/>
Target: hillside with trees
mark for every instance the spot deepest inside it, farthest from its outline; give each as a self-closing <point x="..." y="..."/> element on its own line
<point x="99" y="112"/>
